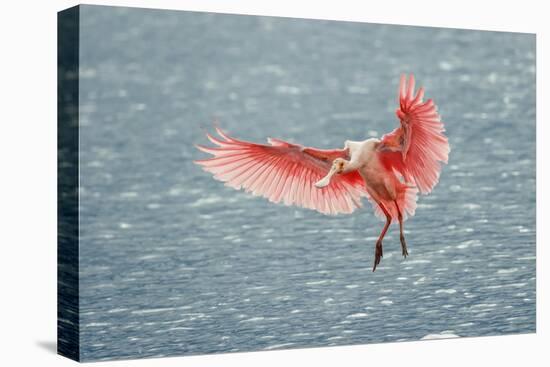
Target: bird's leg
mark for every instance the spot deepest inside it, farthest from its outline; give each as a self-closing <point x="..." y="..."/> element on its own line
<point x="378" y="248"/>
<point x="401" y="235"/>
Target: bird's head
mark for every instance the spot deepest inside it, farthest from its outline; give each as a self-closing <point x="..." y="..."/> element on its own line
<point x="338" y="167"/>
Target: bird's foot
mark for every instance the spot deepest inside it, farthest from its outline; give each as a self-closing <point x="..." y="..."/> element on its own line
<point x="404" y="246"/>
<point x="377" y="254"/>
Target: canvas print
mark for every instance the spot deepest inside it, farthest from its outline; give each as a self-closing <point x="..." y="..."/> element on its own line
<point x="233" y="183"/>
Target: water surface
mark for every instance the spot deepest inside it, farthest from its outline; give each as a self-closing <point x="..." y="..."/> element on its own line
<point x="174" y="263"/>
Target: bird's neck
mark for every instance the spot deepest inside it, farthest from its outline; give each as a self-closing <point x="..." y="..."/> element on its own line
<point x="351" y="165"/>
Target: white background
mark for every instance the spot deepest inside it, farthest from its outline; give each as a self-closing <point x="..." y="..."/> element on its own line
<point x="28" y="182"/>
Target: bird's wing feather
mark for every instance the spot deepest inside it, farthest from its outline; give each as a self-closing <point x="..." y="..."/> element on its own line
<point x="418" y="147"/>
<point x="283" y="172"/>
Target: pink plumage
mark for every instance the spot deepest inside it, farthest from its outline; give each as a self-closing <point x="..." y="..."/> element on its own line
<point x="389" y="172"/>
<point x="283" y="172"/>
<point x="424" y="146"/>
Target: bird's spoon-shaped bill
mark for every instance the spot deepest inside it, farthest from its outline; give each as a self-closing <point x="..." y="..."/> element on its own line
<point x="326" y="180"/>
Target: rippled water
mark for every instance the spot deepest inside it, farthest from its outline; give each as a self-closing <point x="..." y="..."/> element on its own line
<point x="174" y="263"/>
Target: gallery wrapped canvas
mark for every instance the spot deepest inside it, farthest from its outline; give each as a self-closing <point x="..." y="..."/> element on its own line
<point x="243" y="183"/>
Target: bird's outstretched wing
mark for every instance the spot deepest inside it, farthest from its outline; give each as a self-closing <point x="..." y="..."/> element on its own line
<point x="418" y="147"/>
<point x="283" y="172"/>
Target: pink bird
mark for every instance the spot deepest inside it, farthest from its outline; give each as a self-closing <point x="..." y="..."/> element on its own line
<point x="389" y="171"/>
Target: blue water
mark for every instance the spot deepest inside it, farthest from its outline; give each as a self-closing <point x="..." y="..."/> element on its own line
<point x="174" y="263"/>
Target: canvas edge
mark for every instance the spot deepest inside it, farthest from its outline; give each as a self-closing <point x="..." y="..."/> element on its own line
<point x="68" y="316"/>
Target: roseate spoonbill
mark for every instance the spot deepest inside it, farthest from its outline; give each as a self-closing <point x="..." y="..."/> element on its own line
<point x="389" y="171"/>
